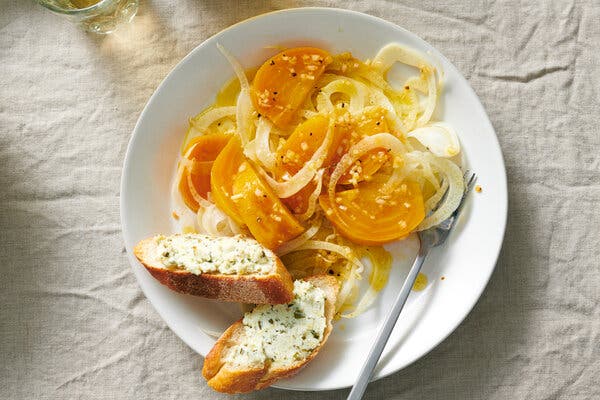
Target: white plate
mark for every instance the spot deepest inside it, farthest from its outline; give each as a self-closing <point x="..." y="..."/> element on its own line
<point x="466" y="262"/>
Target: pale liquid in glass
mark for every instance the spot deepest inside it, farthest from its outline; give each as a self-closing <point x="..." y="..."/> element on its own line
<point x="83" y="3"/>
<point x="102" y="19"/>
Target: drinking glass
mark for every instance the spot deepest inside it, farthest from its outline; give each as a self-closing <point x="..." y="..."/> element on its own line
<point x="98" y="16"/>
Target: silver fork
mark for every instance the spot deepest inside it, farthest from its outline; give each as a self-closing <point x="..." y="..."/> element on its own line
<point x="430" y="238"/>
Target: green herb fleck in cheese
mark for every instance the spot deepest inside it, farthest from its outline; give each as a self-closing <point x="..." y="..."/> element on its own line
<point x="204" y="254"/>
<point x="282" y="333"/>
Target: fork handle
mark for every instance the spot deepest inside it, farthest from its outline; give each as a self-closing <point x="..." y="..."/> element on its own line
<point x="366" y="372"/>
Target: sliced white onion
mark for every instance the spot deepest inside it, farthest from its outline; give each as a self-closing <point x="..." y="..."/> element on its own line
<point x="186" y="217"/>
<point x="379" y="96"/>
<point x="227" y="126"/>
<point x="311" y="101"/>
<point x="200" y="123"/>
<point x="306" y="173"/>
<point x="313" y="198"/>
<point x="439" y="138"/>
<point x="433" y="200"/>
<point x="259" y="149"/>
<point x="245" y="108"/>
<point x="308" y="114"/>
<point x="375" y="77"/>
<point x="378" y="278"/>
<point x="183" y="164"/>
<point x="417" y="83"/>
<point x="205" y="119"/>
<point x="379" y="140"/>
<point x="293" y="244"/>
<point x="213" y="221"/>
<point x="416" y="167"/>
<point x="344" y="251"/>
<point x="355" y="90"/>
<point x="432" y="95"/>
<point x="244" y="117"/>
<point x="392" y="53"/>
<point x="416" y="163"/>
<point x="237" y="67"/>
<point x="382" y="100"/>
<point x="410" y="119"/>
<point x="456" y="186"/>
<point x="364" y="303"/>
<point x="347" y="286"/>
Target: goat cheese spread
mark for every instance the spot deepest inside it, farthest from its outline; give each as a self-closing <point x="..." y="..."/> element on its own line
<point x="283" y="333"/>
<point x="200" y="254"/>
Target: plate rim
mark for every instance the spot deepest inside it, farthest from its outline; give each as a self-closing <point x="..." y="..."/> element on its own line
<point x="503" y="201"/>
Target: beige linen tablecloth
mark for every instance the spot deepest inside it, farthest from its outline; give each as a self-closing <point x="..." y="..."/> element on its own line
<point x="75" y="324"/>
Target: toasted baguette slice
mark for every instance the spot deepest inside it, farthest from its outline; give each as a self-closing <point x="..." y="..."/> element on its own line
<point x="273" y="286"/>
<point x="224" y="377"/>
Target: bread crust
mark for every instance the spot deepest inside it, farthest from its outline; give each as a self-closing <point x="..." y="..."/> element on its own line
<point x="274" y="288"/>
<point x="224" y="379"/>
